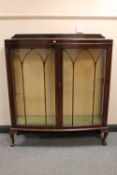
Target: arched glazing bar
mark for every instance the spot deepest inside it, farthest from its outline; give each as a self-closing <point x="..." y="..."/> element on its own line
<point x="95" y="60"/>
<point x="73" y="60"/>
<point x="44" y="64"/>
<point x="22" y="60"/>
<point x="23" y="83"/>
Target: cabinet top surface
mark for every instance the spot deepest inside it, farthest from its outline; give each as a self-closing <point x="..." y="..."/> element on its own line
<point x="58" y="38"/>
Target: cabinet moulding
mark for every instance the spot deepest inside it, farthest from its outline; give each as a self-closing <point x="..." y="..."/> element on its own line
<point x="6" y="128"/>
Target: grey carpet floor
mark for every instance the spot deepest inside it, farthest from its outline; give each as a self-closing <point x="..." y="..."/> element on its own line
<point x="58" y="156"/>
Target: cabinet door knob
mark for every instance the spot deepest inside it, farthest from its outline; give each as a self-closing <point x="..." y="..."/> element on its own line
<point x="54" y="41"/>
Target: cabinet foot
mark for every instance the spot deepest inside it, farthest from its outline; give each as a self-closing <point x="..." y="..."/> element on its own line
<point x="12" y="138"/>
<point x="105" y="134"/>
<point x="12" y="145"/>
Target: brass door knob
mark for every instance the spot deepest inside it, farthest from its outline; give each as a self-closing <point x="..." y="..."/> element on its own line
<point x="54" y="41"/>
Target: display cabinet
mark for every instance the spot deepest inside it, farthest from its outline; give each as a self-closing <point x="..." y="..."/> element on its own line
<point x="58" y="82"/>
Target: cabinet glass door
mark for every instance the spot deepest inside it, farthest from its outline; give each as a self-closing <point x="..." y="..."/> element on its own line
<point x="34" y="86"/>
<point x="83" y="84"/>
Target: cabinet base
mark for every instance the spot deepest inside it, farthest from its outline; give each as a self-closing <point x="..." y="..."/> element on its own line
<point x="105" y="134"/>
<point x="103" y="130"/>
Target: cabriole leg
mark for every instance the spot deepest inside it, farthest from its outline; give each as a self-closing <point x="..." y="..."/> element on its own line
<point x="12" y="138"/>
<point x="105" y="134"/>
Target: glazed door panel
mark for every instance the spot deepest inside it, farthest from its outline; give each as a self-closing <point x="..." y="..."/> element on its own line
<point x="34" y="84"/>
<point x="83" y="86"/>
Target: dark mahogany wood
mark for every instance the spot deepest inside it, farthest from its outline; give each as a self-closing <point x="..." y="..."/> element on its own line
<point x="58" y="42"/>
<point x="20" y="36"/>
<point x="59" y="83"/>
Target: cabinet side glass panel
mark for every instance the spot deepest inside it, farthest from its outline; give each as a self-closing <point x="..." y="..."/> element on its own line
<point x="34" y="83"/>
<point x="83" y="83"/>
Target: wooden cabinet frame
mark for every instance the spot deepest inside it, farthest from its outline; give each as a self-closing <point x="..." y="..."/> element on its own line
<point x="58" y="42"/>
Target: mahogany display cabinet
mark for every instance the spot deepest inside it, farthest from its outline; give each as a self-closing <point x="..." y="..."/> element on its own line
<point x="58" y="82"/>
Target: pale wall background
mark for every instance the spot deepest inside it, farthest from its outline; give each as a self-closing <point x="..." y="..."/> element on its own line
<point x="50" y="16"/>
